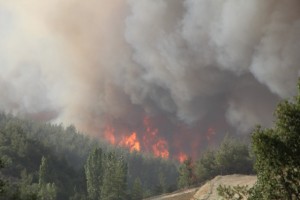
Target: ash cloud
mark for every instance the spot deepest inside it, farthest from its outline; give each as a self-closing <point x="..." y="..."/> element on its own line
<point x="210" y="63"/>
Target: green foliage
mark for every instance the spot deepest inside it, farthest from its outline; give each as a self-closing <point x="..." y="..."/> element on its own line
<point x="148" y="169"/>
<point x="186" y="174"/>
<point x="232" y="157"/>
<point x="47" y="192"/>
<point x="137" y="190"/>
<point x="28" y="189"/>
<point x="277" y="152"/>
<point x="106" y="176"/>
<point x="43" y="172"/>
<point x="2" y="184"/>
<point x="94" y="174"/>
<point x="161" y="187"/>
<point x="233" y="193"/>
<point x="23" y="143"/>
<point x="206" y="167"/>
<point x="21" y="153"/>
<point x="114" y="185"/>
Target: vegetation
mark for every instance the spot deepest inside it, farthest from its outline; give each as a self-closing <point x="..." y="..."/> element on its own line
<point x="1" y="181"/>
<point x="277" y="152"/>
<point x="137" y="190"/>
<point x="232" y="157"/>
<point x="46" y="161"/>
<point x="233" y="193"/>
<point x="94" y="174"/>
<point x="114" y="185"/>
<point x="187" y="176"/>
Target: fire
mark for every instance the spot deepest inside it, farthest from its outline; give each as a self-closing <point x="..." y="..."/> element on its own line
<point x="147" y="139"/>
<point x="182" y="157"/>
<point x="131" y="142"/>
<point x="151" y="141"/>
<point x="160" y="149"/>
<point x="210" y="134"/>
<point x="109" y="134"/>
<point x="152" y="131"/>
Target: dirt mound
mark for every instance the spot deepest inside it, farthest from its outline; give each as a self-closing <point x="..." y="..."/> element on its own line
<point x="209" y="190"/>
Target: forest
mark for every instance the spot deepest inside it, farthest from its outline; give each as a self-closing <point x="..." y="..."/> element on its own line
<point x="48" y="161"/>
<point x="39" y="159"/>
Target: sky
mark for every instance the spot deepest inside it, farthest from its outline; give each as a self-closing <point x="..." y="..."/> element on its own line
<point x="185" y="72"/>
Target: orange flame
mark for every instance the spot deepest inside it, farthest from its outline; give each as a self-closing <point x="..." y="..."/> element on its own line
<point x="109" y="134"/>
<point x="160" y="149"/>
<point x="151" y="142"/>
<point x="131" y="142"/>
<point x="182" y="157"/>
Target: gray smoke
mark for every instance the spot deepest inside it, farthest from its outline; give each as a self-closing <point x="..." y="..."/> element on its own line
<point x="192" y="63"/>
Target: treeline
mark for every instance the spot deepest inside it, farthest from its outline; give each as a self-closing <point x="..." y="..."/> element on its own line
<point x="27" y="145"/>
<point x="231" y="157"/>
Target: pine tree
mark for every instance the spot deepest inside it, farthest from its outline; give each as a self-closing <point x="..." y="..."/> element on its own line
<point x="137" y="190"/>
<point x="43" y="173"/>
<point x="186" y="174"/>
<point x="47" y="190"/>
<point x="115" y="178"/>
<point x="162" y="186"/>
<point x="94" y="174"/>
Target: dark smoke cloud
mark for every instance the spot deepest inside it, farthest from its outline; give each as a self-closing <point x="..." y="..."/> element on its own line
<point x="197" y="64"/>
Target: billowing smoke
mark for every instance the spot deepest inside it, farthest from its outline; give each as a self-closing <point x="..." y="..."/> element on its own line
<point x="194" y="68"/>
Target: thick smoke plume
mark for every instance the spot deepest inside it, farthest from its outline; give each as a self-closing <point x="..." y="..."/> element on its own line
<point x="194" y="68"/>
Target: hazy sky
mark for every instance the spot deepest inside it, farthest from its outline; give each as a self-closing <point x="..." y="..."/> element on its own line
<point x="188" y="65"/>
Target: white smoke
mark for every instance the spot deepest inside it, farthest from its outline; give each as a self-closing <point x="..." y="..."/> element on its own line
<point x="194" y="62"/>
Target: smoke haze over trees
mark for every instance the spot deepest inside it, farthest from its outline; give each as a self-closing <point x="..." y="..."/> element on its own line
<point x="187" y="65"/>
<point x="46" y="161"/>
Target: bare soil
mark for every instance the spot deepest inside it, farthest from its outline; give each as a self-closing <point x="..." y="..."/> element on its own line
<point x="179" y="195"/>
<point x="209" y="190"/>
